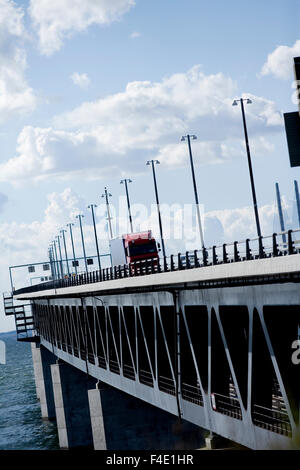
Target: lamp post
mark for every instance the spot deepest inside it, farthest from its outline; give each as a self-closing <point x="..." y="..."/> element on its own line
<point x="188" y="138"/>
<point x="91" y="206"/>
<point x="61" y="262"/>
<point x="107" y="195"/>
<point x="297" y="201"/>
<point x="56" y="259"/>
<point x="152" y="162"/>
<point x="72" y="242"/>
<point x="51" y="257"/>
<point x="125" y="181"/>
<point x="280" y="212"/>
<point x="65" y="248"/>
<point x="79" y="216"/>
<point x="235" y="103"/>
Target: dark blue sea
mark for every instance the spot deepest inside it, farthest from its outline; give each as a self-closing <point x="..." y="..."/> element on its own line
<point x="21" y="424"/>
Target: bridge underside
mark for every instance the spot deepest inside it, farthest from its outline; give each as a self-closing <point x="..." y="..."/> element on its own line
<point x="220" y="358"/>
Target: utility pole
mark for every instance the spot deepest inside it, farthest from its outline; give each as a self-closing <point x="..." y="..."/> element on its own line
<point x="281" y="220"/>
<point x="79" y="216"/>
<point x="125" y="181"/>
<point x="235" y="103"/>
<point x="297" y="200"/>
<point x="107" y="195"/>
<point x="152" y="163"/>
<point x="91" y="206"/>
<point x="65" y="248"/>
<point x="188" y="138"/>
<point x="72" y="242"/>
<point x="56" y="259"/>
<point x="61" y="262"/>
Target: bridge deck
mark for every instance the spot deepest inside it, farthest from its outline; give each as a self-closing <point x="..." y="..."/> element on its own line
<point x="241" y="270"/>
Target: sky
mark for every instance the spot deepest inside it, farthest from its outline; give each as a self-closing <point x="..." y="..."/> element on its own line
<point x="92" y="89"/>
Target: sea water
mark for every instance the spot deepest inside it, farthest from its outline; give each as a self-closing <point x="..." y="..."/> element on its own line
<point x="21" y="424"/>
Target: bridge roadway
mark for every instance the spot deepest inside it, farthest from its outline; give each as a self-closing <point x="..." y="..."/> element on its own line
<point x="210" y="345"/>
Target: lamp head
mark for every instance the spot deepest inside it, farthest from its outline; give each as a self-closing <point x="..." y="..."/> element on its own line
<point x="249" y="101"/>
<point x="235" y="103"/>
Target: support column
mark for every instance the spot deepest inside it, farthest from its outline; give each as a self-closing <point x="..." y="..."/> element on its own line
<point x="123" y="422"/>
<point x="42" y="360"/>
<point x="73" y="420"/>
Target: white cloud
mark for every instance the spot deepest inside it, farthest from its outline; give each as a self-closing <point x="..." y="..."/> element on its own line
<point x="57" y="20"/>
<point x="80" y="79"/>
<point x="280" y="62"/>
<point x="135" y="34"/>
<point x="15" y="94"/>
<point x="108" y="136"/>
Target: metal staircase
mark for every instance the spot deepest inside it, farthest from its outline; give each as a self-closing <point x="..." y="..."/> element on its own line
<point x="24" y="319"/>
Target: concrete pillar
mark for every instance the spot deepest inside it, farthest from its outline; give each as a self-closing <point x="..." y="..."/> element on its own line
<point x="123" y="422"/>
<point x="42" y="360"/>
<point x="37" y="366"/>
<point x="214" y="441"/>
<point x="70" y="387"/>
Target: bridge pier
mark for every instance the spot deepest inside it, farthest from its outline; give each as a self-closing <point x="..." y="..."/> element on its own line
<point x="70" y="387"/>
<point x="123" y="422"/>
<point x="42" y="360"/>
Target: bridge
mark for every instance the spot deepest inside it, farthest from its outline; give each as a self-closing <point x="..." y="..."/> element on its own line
<point x="147" y="356"/>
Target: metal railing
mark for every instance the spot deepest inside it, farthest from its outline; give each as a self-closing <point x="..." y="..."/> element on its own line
<point x="145" y="378"/>
<point x="192" y="393"/>
<point x="227" y="405"/>
<point x="167" y="385"/>
<point x="128" y="372"/>
<point x="114" y="366"/>
<point x="272" y="420"/>
<point x="249" y="249"/>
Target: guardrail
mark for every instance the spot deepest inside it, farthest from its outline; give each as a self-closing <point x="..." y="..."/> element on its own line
<point x="275" y="245"/>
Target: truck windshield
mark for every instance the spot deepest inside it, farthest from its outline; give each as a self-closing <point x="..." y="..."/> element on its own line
<point x="147" y="248"/>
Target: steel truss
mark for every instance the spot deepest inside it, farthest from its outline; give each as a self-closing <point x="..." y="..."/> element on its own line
<point x="222" y="364"/>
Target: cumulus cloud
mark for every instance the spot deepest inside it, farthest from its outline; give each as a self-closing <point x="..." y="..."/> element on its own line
<point x="280" y="62"/>
<point x="80" y="79"/>
<point x="57" y="20"/>
<point x="135" y="34"/>
<point x="108" y="136"/>
<point x="15" y="94"/>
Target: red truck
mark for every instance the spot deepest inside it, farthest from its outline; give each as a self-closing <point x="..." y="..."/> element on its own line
<point x="133" y="247"/>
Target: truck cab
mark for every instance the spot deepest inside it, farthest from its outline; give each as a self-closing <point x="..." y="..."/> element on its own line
<point x="133" y="247"/>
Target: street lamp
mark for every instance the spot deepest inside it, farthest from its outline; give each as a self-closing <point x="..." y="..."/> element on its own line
<point x="107" y="195"/>
<point x="56" y="259"/>
<point x="79" y="216"/>
<point x="235" y="103"/>
<point x="188" y="138"/>
<point x="52" y="261"/>
<point x="73" y="250"/>
<point x="65" y="248"/>
<point x="152" y="162"/>
<point x="91" y="206"/>
<point x="125" y="181"/>
<point x="61" y="262"/>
